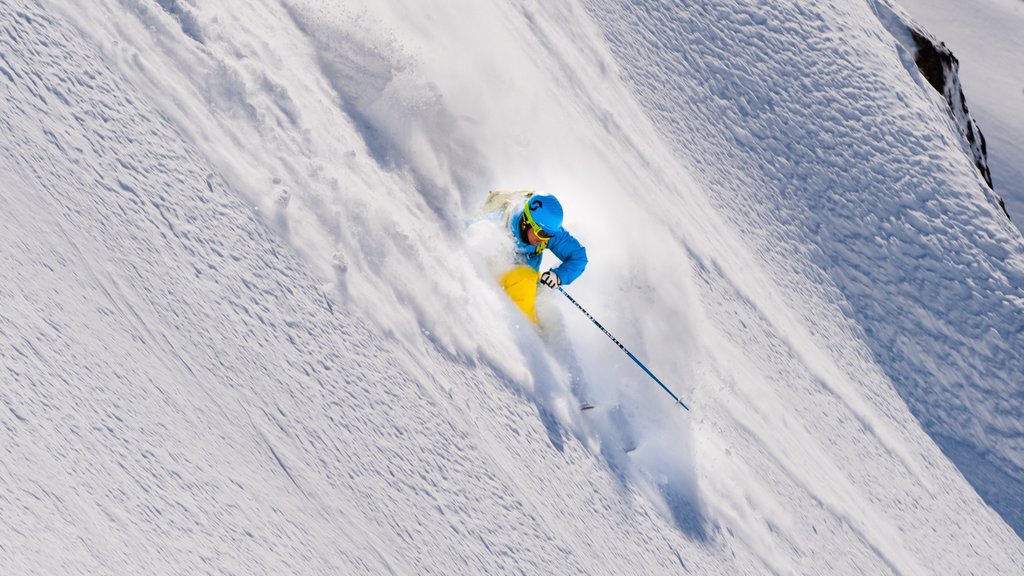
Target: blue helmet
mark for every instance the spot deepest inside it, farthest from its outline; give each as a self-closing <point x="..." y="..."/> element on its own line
<point x="546" y="212"/>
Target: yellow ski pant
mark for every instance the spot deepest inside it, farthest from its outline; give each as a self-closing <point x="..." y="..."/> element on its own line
<point x="520" y="283"/>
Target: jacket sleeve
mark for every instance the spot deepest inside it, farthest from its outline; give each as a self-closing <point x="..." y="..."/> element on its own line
<point x="572" y="254"/>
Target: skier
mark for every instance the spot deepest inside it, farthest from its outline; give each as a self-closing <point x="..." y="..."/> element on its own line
<point x="535" y="222"/>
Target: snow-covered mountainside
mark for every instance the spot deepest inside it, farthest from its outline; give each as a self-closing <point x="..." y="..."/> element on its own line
<point x="941" y="69"/>
<point x="985" y="37"/>
<point x="867" y="207"/>
<point x="249" y="323"/>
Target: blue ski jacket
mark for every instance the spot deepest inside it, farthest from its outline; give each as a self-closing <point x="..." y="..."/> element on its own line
<point x="563" y="245"/>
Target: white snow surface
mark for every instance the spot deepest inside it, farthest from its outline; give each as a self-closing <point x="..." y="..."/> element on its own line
<point x="249" y="323"/>
<point x="987" y="37"/>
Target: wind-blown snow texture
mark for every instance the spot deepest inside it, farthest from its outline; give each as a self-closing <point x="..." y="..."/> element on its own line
<point x="985" y="37"/>
<point x="875" y="204"/>
<point x="248" y="324"/>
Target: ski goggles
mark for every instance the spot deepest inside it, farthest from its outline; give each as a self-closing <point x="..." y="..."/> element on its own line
<point x="540" y="232"/>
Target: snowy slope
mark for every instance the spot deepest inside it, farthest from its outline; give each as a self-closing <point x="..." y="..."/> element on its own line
<point x="986" y="38"/>
<point x="247" y="329"/>
<point x="894" y="230"/>
<point x="181" y="396"/>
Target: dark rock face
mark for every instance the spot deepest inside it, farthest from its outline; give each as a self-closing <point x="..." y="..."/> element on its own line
<point x="940" y="68"/>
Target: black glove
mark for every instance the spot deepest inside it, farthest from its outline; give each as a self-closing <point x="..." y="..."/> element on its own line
<point x="550" y="279"/>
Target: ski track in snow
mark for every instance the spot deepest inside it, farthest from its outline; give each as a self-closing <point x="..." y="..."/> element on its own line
<point x="239" y="338"/>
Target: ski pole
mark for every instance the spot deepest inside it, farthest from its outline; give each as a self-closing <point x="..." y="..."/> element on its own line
<point x="623" y="348"/>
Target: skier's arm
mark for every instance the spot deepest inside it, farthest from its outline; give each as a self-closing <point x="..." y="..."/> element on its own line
<point x="572" y="254"/>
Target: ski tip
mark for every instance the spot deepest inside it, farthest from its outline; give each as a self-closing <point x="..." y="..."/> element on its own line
<point x="586" y="406"/>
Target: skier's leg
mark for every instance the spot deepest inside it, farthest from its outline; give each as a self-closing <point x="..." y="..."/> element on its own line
<point x="520" y="283"/>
